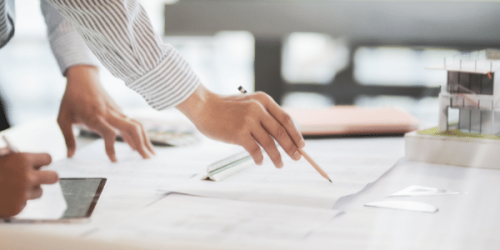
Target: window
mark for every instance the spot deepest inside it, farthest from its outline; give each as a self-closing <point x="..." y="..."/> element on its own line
<point x="487" y="85"/>
<point x="452" y="82"/>
<point x="476" y="82"/>
<point x="464" y="80"/>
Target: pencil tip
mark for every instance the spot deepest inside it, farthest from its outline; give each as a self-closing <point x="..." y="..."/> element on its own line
<point x="330" y="181"/>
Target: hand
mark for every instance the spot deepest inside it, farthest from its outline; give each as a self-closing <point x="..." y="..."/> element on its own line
<point x="20" y="180"/>
<point x="86" y="102"/>
<point x="247" y="120"/>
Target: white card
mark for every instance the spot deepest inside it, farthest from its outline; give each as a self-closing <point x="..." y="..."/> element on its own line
<point x="404" y="205"/>
<point x="415" y="190"/>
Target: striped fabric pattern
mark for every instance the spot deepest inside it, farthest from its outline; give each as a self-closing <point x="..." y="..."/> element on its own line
<point x="120" y="34"/>
<point x="7" y="18"/>
<point x="66" y="43"/>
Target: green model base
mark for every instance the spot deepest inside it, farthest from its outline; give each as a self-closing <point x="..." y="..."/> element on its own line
<point x="457" y="133"/>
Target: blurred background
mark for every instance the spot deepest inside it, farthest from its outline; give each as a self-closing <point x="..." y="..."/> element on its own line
<point x="303" y="53"/>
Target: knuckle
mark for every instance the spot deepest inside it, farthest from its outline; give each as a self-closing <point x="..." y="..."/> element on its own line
<point x="254" y="151"/>
<point x="281" y="133"/>
<point x="291" y="149"/>
<point x="287" y="119"/>
<point x="96" y="110"/>
<point x="93" y="121"/>
<point x="135" y="129"/>
<point x="109" y="134"/>
<point x="138" y="124"/>
<point x="31" y="179"/>
<point x="255" y="106"/>
<point x="268" y="144"/>
<point x="262" y="96"/>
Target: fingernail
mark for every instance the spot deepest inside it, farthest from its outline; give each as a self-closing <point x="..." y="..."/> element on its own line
<point x="280" y="165"/>
<point x="302" y="143"/>
<point x="296" y="156"/>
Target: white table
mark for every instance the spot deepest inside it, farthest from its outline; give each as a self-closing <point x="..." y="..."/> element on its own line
<point x="467" y="221"/>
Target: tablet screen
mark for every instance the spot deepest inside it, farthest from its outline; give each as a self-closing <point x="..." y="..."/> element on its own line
<point x="81" y="195"/>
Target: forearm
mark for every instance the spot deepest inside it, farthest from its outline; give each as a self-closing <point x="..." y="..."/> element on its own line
<point x="121" y="35"/>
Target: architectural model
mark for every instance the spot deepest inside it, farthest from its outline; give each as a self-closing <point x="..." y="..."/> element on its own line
<point x="471" y="100"/>
<point x="468" y="133"/>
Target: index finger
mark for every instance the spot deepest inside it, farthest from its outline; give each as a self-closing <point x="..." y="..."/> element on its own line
<point x="46" y="177"/>
<point x="37" y="160"/>
<point x="108" y="133"/>
<point x="286" y="121"/>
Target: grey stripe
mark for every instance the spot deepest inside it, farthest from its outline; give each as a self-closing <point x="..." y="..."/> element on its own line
<point x="7" y="18"/>
<point x="120" y="34"/>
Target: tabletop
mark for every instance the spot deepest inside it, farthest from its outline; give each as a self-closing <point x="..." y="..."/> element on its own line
<point x="464" y="221"/>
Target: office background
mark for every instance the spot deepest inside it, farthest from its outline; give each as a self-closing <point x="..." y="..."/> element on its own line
<point x="32" y="85"/>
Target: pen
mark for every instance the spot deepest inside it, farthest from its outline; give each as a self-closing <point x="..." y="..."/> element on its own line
<point x="308" y="158"/>
<point x="9" y="144"/>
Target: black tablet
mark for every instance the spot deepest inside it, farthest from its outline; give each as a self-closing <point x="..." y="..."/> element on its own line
<point x="81" y="195"/>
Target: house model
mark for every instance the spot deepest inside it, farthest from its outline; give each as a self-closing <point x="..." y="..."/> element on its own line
<point x="468" y="133"/>
<point x="470" y="101"/>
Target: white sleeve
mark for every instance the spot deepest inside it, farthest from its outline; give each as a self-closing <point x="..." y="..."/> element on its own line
<point x="67" y="45"/>
<point x="120" y="34"/>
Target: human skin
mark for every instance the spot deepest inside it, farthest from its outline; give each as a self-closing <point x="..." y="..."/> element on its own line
<point x="86" y="102"/>
<point x="20" y="180"/>
<point x="247" y="120"/>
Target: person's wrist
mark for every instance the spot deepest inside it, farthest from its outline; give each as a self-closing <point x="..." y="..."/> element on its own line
<point x="78" y="72"/>
<point x="194" y="106"/>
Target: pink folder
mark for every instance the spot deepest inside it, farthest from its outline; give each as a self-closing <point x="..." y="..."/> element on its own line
<point x="351" y="120"/>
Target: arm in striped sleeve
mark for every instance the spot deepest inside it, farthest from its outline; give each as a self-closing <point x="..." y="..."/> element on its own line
<point x="67" y="45"/>
<point x="120" y="34"/>
<point x="7" y="16"/>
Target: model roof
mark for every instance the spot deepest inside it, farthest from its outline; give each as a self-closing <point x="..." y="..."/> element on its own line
<point x="478" y="62"/>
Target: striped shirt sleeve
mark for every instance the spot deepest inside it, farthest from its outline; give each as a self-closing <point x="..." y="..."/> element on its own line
<point x="7" y="16"/>
<point x="120" y="34"/>
<point x="67" y="45"/>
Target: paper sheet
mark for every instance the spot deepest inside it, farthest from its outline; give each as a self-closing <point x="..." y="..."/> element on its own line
<point x="50" y="206"/>
<point x="180" y="170"/>
<point x="190" y="218"/>
<point x="297" y="183"/>
<point x="132" y="174"/>
<point x="33" y="137"/>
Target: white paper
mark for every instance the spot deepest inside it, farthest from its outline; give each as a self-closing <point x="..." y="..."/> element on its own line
<point x="415" y="190"/>
<point x="51" y="206"/>
<point x="404" y="205"/>
<point x="190" y="218"/>
<point x="179" y="169"/>
<point x="133" y="174"/>
<point x="297" y="183"/>
<point x="39" y="136"/>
